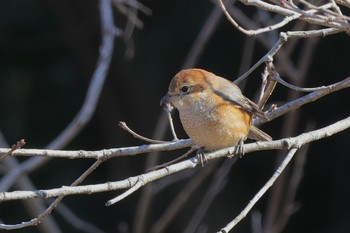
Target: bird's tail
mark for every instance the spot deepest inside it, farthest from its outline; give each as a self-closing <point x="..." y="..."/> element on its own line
<point x="259" y="135"/>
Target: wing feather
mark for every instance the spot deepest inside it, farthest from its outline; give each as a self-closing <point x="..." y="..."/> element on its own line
<point x="230" y="92"/>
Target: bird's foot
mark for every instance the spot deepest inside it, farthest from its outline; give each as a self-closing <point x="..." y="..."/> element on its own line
<point x="201" y="156"/>
<point x="239" y="150"/>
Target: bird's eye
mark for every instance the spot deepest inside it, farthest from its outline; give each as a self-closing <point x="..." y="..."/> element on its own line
<point x="185" y="89"/>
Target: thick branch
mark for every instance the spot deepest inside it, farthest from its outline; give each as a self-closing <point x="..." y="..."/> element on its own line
<point x="286" y="143"/>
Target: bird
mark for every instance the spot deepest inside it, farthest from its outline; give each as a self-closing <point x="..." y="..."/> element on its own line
<point x="213" y="111"/>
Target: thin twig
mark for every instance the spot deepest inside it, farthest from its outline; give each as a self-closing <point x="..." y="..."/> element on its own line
<point x="14" y="147"/>
<point x="268" y="86"/>
<point x="277" y="77"/>
<point x="289" y="204"/>
<point x="193" y="148"/>
<point x="172" y="128"/>
<point x="123" y="125"/>
<point x="264" y="81"/>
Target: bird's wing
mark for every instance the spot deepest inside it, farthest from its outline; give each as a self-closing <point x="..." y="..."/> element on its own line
<point x="232" y="93"/>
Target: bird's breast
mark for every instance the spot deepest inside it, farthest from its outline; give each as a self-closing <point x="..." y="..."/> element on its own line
<point x="215" y="127"/>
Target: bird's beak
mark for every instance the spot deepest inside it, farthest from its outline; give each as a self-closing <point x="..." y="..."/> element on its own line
<point x="166" y="104"/>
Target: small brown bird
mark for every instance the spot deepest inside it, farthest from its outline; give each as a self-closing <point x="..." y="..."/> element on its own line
<point x="213" y="111"/>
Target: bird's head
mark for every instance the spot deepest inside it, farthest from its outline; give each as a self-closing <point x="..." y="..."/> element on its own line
<point x="189" y="89"/>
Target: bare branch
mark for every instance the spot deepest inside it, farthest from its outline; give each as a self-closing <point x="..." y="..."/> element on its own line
<point x="306" y="99"/>
<point x="103" y="154"/>
<point x="286" y="143"/>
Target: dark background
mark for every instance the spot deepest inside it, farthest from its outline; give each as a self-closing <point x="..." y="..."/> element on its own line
<point x="48" y="51"/>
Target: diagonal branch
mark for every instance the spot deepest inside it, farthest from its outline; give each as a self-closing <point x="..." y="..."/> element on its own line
<point x="261" y="192"/>
<point x="42" y="216"/>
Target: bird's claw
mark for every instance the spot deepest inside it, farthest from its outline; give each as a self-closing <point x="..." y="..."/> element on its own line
<point x="201" y="156"/>
<point x="239" y="150"/>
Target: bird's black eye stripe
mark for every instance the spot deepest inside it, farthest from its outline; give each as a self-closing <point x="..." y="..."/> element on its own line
<point x="185" y="89"/>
